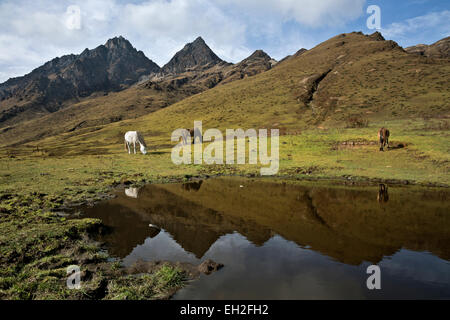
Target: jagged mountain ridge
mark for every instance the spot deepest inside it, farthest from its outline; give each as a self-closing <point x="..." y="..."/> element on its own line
<point x="109" y="67"/>
<point x="146" y="97"/>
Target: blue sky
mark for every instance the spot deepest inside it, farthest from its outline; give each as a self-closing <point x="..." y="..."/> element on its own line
<point x="35" y="31"/>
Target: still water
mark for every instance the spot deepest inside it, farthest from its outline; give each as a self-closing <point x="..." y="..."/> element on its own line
<point x="288" y="241"/>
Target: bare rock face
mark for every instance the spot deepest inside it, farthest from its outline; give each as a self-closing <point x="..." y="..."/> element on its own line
<point x="198" y="68"/>
<point x="194" y="55"/>
<point x="256" y="63"/>
<point x="109" y="67"/>
<point x="440" y="49"/>
<point x="377" y="36"/>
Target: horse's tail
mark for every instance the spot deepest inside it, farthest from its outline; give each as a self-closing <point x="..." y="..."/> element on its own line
<point x="126" y="146"/>
<point x="141" y="139"/>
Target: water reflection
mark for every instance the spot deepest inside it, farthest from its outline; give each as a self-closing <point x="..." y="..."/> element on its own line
<point x="280" y="240"/>
<point x="194" y="186"/>
<point x="383" y="195"/>
<point x="132" y="192"/>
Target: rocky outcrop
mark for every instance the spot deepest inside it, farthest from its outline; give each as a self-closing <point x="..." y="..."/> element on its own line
<point x="256" y="63"/>
<point x="440" y="49"/>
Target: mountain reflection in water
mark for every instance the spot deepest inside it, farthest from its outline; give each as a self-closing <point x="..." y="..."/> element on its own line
<point x="283" y="240"/>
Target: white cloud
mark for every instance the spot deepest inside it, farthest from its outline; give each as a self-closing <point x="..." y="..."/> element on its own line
<point x="33" y="32"/>
<point x="171" y="24"/>
<point x="311" y="13"/>
<point x="420" y="27"/>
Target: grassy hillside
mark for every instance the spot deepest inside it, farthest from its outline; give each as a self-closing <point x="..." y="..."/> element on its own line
<point x="328" y="103"/>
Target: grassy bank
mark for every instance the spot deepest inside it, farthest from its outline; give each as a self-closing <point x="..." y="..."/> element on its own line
<point x="38" y="242"/>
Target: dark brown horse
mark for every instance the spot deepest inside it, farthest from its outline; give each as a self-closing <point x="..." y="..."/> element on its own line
<point x="383" y="136"/>
<point x="195" y="133"/>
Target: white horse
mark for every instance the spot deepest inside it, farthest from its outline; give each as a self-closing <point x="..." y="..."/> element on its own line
<point x="186" y="137"/>
<point x="133" y="137"/>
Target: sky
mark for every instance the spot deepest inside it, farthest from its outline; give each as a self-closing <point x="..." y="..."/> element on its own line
<point x="35" y="31"/>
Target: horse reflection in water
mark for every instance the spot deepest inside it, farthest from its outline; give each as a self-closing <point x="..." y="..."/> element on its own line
<point x="383" y="195"/>
<point x="132" y="192"/>
<point x="194" y="186"/>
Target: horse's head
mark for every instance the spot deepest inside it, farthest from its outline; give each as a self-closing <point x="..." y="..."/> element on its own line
<point x="143" y="149"/>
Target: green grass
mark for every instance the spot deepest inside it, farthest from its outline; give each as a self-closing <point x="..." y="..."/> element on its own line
<point x="313" y="152"/>
<point x="145" y="287"/>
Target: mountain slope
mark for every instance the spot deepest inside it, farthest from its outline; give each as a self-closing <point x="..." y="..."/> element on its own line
<point x="439" y="49"/>
<point x="350" y="75"/>
<point x="110" y="67"/>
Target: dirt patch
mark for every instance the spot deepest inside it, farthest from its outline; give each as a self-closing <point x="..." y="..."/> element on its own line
<point x="354" y="144"/>
<point x="350" y="144"/>
<point x="302" y="170"/>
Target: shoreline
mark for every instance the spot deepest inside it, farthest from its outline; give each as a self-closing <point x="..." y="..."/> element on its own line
<point x="32" y="221"/>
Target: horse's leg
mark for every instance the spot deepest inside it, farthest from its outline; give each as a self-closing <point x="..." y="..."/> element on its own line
<point x="134" y="143"/>
<point x="380" y="140"/>
<point x="128" y="148"/>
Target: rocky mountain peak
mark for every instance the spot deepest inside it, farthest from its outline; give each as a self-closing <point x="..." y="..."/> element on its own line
<point x="377" y="36"/>
<point x="118" y="43"/>
<point x="259" y="54"/>
<point x="196" y="54"/>
<point x="110" y="67"/>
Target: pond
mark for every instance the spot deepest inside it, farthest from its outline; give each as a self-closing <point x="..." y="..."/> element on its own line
<point x="286" y="240"/>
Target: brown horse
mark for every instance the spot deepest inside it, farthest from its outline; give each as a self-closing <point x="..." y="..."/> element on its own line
<point x="383" y="136"/>
<point x="195" y="133"/>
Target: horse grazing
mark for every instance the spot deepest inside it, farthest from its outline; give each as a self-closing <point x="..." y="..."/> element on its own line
<point x="133" y="137"/>
<point x="383" y="136"/>
<point x="192" y="134"/>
